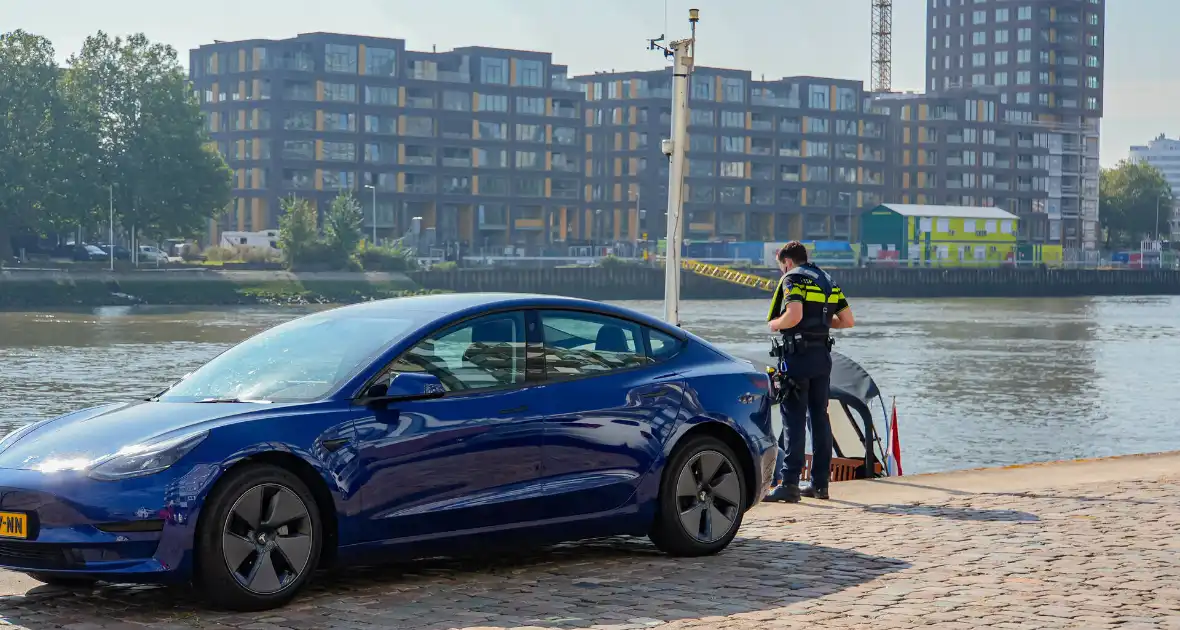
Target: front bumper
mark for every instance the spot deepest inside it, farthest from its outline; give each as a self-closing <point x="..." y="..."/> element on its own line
<point x="136" y="530"/>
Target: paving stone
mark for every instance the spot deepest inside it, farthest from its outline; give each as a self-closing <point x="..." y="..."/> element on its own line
<point x="1083" y="557"/>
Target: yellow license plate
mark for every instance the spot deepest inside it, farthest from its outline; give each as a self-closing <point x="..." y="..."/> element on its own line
<point x="13" y="525"/>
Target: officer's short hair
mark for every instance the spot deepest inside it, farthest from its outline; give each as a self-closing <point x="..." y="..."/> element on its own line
<point x="793" y="250"/>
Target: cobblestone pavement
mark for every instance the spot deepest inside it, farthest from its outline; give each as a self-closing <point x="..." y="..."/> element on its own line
<point x="1085" y="557"/>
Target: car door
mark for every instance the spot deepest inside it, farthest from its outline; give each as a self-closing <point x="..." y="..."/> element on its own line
<point x="468" y="460"/>
<point x="609" y="406"/>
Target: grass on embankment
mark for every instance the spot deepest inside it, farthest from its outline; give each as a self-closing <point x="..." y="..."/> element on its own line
<point x="212" y="292"/>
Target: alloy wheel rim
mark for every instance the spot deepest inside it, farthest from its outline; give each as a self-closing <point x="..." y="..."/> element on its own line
<point x="267" y="539"/>
<point x="708" y="496"/>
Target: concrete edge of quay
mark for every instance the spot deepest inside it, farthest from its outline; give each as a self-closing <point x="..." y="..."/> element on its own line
<point x="1016" y="478"/>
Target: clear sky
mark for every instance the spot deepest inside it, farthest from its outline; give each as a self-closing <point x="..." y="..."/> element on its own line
<point x="771" y="37"/>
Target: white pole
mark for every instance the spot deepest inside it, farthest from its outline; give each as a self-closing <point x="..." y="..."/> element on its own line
<point x="682" y="52"/>
<point x="374" y="214"/>
<point x="112" y="226"/>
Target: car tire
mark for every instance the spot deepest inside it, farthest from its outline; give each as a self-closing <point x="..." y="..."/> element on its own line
<point x="691" y="511"/>
<point x="257" y="527"/>
<point x="64" y="581"/>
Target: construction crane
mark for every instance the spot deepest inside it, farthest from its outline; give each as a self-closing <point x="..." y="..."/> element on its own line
<point x="882" y="78"/>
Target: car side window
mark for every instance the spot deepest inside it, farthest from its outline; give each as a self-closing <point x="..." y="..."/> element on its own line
<point x="585" y="344"/>
<point x="479" y="354"/>
<point x="663" y="346"/>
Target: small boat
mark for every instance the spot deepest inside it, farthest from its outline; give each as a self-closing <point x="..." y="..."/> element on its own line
<point x="860" y="451"/>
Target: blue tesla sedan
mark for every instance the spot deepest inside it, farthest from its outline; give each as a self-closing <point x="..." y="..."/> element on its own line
<point x="408" y="427"/>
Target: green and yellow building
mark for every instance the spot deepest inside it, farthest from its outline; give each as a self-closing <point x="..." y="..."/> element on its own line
<point x="943" y="236"/>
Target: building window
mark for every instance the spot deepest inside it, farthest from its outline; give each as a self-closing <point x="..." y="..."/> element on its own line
<point x="1001" y="36"/>
<point x="1091" y="102"/>
<point x="735" y="120"/>
<point x="979" y="38"/>
<point x="701" y="143"/>
<point x="334" y="121"/>
<point x="340" y="58"/>
<point x="733" y="169"/>
<point x="1001" y="15"/>
<point x="299" y="121"/>
<point x="1000" y="58"/>
<point x="702" y="87"/>
<point x="1024" y="55"/>
<point x="491" y="159"/>
<point x="493" y="71"/>
<point x="733" y="144"/>
<point x="846" y="99"/>
<point x="1000" y="78"/>
<point x="385" y="125"/>
<point x="819" y="97"/>
<point x="492" y="103"/>
<point x="530" y="133"/>
<point x="340" y="92"/>
<point x="703" y="117"/>
<point x="339" y="151"/>
<point x="529" y="160"/>
<point x="493" y="131"/>
<point x="979" y="17"/>
<point x="817" y="174"/>
<point x="978" y="59"/>
<point x="565" y="135"/>
<point x="1092" y="83"/>
<point x="530" y="73"/>
<point x="818" y="125"/>
<point x="380" y="95"/>
<point x="422" y="126"/>
<point x="1092" y="40"/>
<point x="530" y="105"/>
<point x="818" y="149"/>
<point x="1024" y="77"/>
<point x="530" y="187"/>
<point x="702" y="168"/>
<point x="733" y="90"/>
<point x="1024" y="13"/>
<point x="1024" y="35"/>
<point x="380" y="62"/>
<point x="1092" y="61"/>
<point x="456" y="101"/>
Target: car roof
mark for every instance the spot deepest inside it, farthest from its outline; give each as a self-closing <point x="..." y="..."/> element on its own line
<point x="450" y="306"/>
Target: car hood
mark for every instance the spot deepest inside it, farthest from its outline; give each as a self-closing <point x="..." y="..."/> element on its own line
<point x="80" y="437"/>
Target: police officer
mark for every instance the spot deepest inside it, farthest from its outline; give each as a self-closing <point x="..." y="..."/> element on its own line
<point x="805" y="306"/>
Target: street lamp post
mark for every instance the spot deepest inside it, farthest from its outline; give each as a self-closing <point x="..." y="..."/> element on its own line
<point x="374" y="188"/>
<point x="112" y="228"/>
<point x="682" y="53"/>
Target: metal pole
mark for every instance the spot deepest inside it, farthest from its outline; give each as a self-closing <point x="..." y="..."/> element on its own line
<point x="682" y="53"/>
<point x="374" y="214"/>
<point x="1157" y="218"/>
<point x="111" y="246"/>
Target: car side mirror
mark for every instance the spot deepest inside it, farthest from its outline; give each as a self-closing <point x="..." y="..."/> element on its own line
<point x="405" y="386"/>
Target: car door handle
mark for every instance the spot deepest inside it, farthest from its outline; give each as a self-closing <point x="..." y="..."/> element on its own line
<point x="335" y="445"/>
<point x="506" y="412"/>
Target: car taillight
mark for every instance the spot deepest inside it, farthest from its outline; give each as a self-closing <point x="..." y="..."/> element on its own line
<point x="761" y="381"/>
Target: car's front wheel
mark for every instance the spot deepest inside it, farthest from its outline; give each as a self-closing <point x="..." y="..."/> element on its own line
<point x="259" y="539"/>
<point x="701" y="500"/>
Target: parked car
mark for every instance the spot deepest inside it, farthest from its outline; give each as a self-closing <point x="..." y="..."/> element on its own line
<point x="121" y="253"/>
<point x="418" y="426"/>
<point x="148" y="253"/>
<point x="90" y="252"/>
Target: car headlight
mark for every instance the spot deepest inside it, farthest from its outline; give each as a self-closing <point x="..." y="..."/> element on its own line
<point x="145" y="459"/>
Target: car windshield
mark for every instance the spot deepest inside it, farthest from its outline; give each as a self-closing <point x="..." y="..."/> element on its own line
<point x="299" y="361"/>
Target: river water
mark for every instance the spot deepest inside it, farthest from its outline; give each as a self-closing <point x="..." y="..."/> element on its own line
<point x="978" y="382"/>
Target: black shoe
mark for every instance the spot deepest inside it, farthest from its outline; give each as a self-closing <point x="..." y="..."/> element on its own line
<point x="788" y="493"/>
<point x="812" y="492"/>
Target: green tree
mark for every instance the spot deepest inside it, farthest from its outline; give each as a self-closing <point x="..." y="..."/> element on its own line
<point x="343" y="224"/>
<point x="46" y="176"/>
<point x="154" y="147"/>
<point x="1134" y="202"/>
<point x="297" y="230"/>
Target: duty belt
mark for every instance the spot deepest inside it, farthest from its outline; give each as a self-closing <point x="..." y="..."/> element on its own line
<point x="798" y="342"/>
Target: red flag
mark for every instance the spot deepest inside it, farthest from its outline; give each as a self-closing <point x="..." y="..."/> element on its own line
<point x="895" y="446"/>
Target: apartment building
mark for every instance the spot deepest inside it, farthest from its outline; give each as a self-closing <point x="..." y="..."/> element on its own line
<point x="795" y="158"/>
<point x="1164" y="154"/>
<point x="954" y="148"/>
<point x="485" y="145"/>
<point x="1045" y="59"/>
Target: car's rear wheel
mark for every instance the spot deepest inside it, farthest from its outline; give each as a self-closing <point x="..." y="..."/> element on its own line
<point x="64" y="581"/>
<point x="259" y="539"/>
<point x="702" y="499"/>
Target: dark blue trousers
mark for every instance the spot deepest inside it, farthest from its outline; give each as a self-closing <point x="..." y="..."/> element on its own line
<point x="808" y="405"/>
